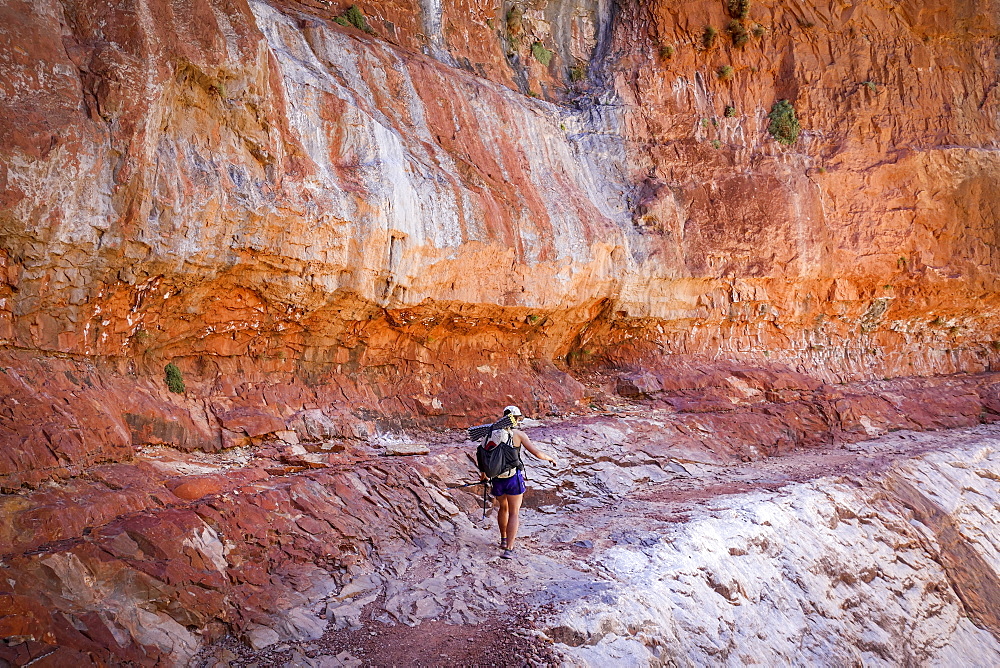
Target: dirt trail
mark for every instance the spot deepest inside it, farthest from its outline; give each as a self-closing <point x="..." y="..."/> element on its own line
<point x="294" y="549"/>
<point x="456" y="588"/>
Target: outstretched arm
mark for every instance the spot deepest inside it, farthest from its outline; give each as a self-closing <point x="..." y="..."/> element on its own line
<point x="526" y="443"/>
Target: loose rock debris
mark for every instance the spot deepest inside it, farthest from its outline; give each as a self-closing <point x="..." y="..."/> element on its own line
<point x="455" y="603"/>
<point x="655" y="538"/>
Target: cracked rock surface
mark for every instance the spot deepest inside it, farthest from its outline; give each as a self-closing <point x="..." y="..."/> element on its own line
<point x="641" y="548"/>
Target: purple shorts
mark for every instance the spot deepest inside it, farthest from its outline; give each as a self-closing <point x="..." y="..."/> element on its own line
<point x="509" y="486"/>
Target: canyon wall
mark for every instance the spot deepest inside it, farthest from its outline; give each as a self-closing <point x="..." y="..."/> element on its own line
<point x="346" y="232"/>
<point x="227" y="184"/>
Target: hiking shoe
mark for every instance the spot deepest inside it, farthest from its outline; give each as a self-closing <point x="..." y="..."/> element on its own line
<point x="503" y="542"/>
<point x="507" y="554"/>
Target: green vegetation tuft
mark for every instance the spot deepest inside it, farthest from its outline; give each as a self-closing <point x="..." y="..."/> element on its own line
<point x="666" y="52"/>
<point x="784" y="125"/>
<point x="758" y="30"/>
<point x="708" y="37"/>
<point x="739" y="8"/>
<point x="716" y="143"/>
<point x="730" y="111"/>
<point x="739" y="33"/>
<point x="725" y="73"/>
<point x="541" y="54"/>
<point x="173" y="378"/>
<point x="353" y="17"/>
<point x="578" y="72"/>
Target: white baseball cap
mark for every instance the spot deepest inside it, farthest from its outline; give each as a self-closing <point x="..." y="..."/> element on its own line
<point x="512" y="410"/>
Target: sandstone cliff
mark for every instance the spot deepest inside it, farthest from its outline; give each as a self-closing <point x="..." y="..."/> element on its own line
<point x="340" y="233"/>
<point x="392" y="217"/>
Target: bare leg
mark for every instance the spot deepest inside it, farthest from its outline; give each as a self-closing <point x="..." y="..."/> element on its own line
<point x="513" y="507"/>
<point x="502" y="515"/>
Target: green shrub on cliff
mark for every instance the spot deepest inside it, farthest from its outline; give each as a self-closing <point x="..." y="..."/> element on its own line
<point x="541" y="54"/>
<point x="175" y="382"/>
<point x="708" y="37"/>
<point x="353" y="16"/>
<point x="784" y="125"/>
<point x="739" y="8"/>
<point x="739" y="33"/>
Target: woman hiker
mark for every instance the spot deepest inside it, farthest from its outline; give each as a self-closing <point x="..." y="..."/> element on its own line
<point x="508" y="486"/>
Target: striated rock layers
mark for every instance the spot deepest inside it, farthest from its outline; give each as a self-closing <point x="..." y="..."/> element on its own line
<point x="346" y="227"/>
<point x="655" y="540"/>
<point x="422" y="219"/>
<point x="891" y="569"/>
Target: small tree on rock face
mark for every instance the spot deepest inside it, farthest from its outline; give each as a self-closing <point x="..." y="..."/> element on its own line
<point x="353" y="16"/>
<point x="784" y="125"/>
<point x="739" y="33"/>
<point x="174" y="380"/>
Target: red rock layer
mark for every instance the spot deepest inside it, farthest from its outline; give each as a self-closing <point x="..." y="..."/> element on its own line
<point x="145" y="561"/>
<point x="344" y="233"/>
<point x="257" y="190"/>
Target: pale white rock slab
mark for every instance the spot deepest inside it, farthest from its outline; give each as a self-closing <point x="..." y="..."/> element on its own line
<point x="404" y="449"/>
<point x="260" y="637"/>
<point x="823" y="572"/>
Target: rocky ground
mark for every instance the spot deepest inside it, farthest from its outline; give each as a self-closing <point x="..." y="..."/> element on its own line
<point x="811" y="557"/>
<point x="800" y="523"/>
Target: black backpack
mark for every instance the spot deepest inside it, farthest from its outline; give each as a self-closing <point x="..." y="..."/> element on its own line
<point x="497" y="454"/>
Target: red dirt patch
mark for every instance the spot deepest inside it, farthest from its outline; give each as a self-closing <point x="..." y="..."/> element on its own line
<point x="502" y="641"/>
